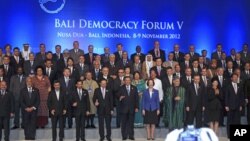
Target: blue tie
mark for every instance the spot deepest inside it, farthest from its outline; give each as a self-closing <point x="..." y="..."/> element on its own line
<point x="128" y="90"/>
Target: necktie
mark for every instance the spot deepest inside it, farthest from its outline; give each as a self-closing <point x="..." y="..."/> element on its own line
<point x="176" y="56"/>
<point x="31" y="63"/>
<point x="76" y="50"/>
<point x="1" y="79"/>
<point x="47" y="71"/>
<point x="235" y="88"/>
<point x="67" y="82"/>
<point x="189" y="80"/>
<point x="159" y="71"/>
<point x="128" y="90"/>
<point x="196" y="89"/>
<point x="220" y="79"/>
<point x="30" y="91"/>
<point x="103" y="93"/>
<point x="247" y="72"/>
<point x="91" y="58"/>
<point x="205" y="80"/>
<point x="6" y="68"/>
<point x="157" y="53"/>
<point x="20" y="78"/>
<point x="2" y="93"/>
<point x="80" y="94"/>
<point x="57" y="95"/>
<point x="170" y="79"/>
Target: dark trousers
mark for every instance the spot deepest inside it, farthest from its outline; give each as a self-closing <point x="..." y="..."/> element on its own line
<point x="248" y="113"/>
<point x="160" y="115"/>
<point x="30" y="124"/>
<point x="233" y="117"/>
<point x="128" y="125"/>
<point x="69" y="116"/>
<point x="17" y="113"/>
<point x="118" y="114"/>
<point x="5" y="123"/>
<point x="107" y="119"/>
<point x="80" y="126"/>
<point x="195" y="114"/>
<point x="55" y="120"/>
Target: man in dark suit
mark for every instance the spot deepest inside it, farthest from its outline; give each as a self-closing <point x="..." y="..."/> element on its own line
<point x="62" y="63"/>
<point x="82" y="67"/>
<point x="245" y="54"/>
<point x="161" y="71"/>
<point x="8" y="69"/>
<point x="2" y="76"/>
<point x="50" y="71"/>
<point x="103" y="99"/>
<point x="57" y="105"/>
<point x="17" y="83"/>
<point x="168" y="79"/>
<point x="90" y="56"/>
<point x="217" y="54"/>
<point x="192" y="53"/>
<point x="16" y="60"/>
<point x="247" y="98"/>
<point x="118" y="53"/>
<point x="195" y="102"/>
<point x="138" y="53"/>
<point x="234" y="102"/>
<point x="96" y="71"/>
<point x="30" y="65"/>
<point x="112" y="65"/>
<point x="229" y="70"/>
<point x="105" y="75"/>
<point x="206" y="81"/>
<point x="105" y="56"/>
<point x="125" y="62"/>
<point x="186" y="63"/>
<point x="6" y="110"/>
<point x="118" y="82"/>
<point x="222" y="62"/>
<point x="81" y="106"/>
<point x="41" y="56"/>
<point x="137" y="65"/>
<point x="207" y="61"/>
<point x="196" y="70"/>
<point x="187" y="79"/>
<point x="76" y="52"/>
<point x="68" y="86"/>
<point x="238" y="63"/>
<point x="30" y="100"/>
<point x="58" y="55"/>
<point x="157" y="52"/>
<point x="246" y="72"/>
<point x="178" y="56"/>
<point x="231" y="57"/>
<point x="129" y="105"/>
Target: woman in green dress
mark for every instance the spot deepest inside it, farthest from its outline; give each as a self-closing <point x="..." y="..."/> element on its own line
<point x="174" y="98"/>
<point x="141" y="86"/>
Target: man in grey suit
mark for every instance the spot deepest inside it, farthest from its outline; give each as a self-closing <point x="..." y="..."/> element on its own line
<point x="17" y="83"/>
<point x="245" y="54"/>
<point x="76" y="52"/>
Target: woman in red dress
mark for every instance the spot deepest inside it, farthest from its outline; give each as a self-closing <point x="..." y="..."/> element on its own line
<point x="42" y="83"/>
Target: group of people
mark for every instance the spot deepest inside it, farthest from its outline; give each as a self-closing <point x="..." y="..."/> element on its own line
<point x="138" y="92"/>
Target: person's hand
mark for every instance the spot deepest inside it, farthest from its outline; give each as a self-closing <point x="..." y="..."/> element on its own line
<point x="203" y="108"/>
<point x="136" y="110"/>
<point x="227" y="108"/>
<point x="87" y="113"/>
<point x="177" y="98"/>
<point x="187" y="109"/>
<point x="53" y="112"/>
<point x="112" y="112"/>
<point x="122" y="97"/>
<point x="158" y="112"/>
<point x="240" y="108"/>
<point x="11" y="114"/>
<point x="96" y="103"/>
<point x="74" y="104"/>
<point x="143" y="112"/>
<point x="246" y="101"/>
<point x="64" y="112"/>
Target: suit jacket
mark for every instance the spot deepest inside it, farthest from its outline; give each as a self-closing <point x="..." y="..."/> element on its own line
<point x="16" y="85"/>
<point x="193" y="100"/>
<point x="134" y="68"/>
<point x="117" y="83"/>
<point x="166" y="83"/>
<point x="209" y="82"/>
<point x="28" y="69"/>
<point x="195" y="56"/>
<point x="71" y="85"/>
<point x="227" y="74"/>
<point x="16" y="64"/>
<point x="247" y="90"/>
<point x="40" y="58"/>
<point x="83" y="103"/>
<point x="207" y="61"/>
<point x="87" y="58"/>
<point x="130" y="102"/>
<point x="180" y="57"/>
<point x="127" y="64"/>
<point x="75" y="73"/>
<point x="241" y="65"/>
<point x="82" y="71"/>
<point x="112" y="69"/>
<point x="105" y="58"/>
<point x="75" y="55"/>
<point x="27" y="101"/>
<point x="162" y="73"/>
<point x="234" y="100"/>
<point x="57" y="104"/>
<point x="150" y="103"/>
<point x="168" y="64"/>
<point x="96" y="75"/>
<point x="142" y="57"/>
<point x="109" y="81"/>
<point x="229" y="58"/>
<point x="162" y="54"/>
<point x="7" y="104"/>
<point x="185" y="83"/>
<point x="56" y="57"/>
<point x="244" y="75"/>
<point x="60" y="66"/>
<point x="9" y="73"/>
<point x="52" y="76"/>
<point x="105" y="104"/>
<point x="117" y="56"/>
<point x="220" y="64"/>
<point x="183" y="65"/>
<point x="196" y="73"/>
<point x="245" y="58"/>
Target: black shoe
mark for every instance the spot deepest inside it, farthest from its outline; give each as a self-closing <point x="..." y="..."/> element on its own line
<point x="70" y="126"/>
<point x="93" y="126"/>
<point x="83" y="140"/>
<point x="22" y="127"/>
<point x="124" y="139"/>
<point x="14" y="127"/>
<point x="101" y="139"/>
<point x="42" y="127"/>
<point x="109" y="139"/>
<point x="87" y="126"/>
<point x="61" y="139"/>
<point x="153" y="139"/>
<point x="132" y="138"/>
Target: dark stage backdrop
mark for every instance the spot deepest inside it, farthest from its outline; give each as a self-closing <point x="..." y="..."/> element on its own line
<point x="130" y="22"/>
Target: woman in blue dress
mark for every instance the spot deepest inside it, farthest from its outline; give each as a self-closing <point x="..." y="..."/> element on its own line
<point x="141" y="86"/>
